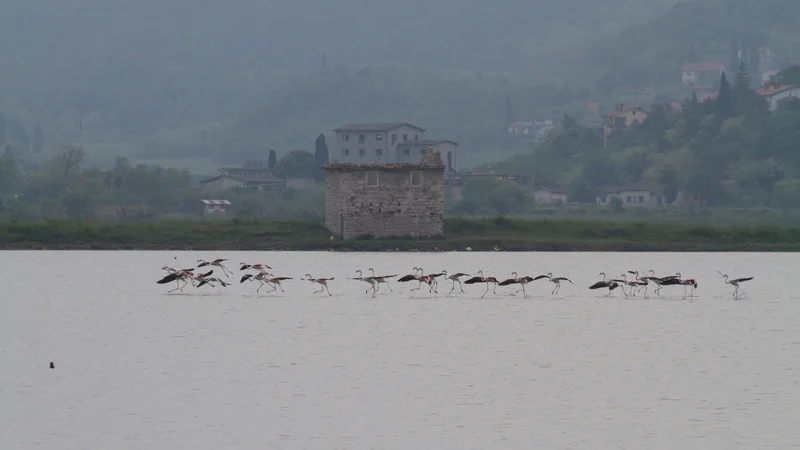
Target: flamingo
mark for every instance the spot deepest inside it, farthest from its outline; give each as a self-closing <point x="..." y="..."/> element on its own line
<point x="455" y="278"/>
<point x="555" y="280"/>
<point x="261" y="277"/>
<point x="177" y="276"/>
<point x="430" y="280"/>
<point x="482" y="279"/>
<point x="517" y="280"/>
<point x="254" y="266"/>
<point x="410" y="277"/>
<point x="215" y="263"/>
<point x="211" y="280"/>
<point x="735" y="283"/>
<point x="369" y="280"/>
<point x="382" y="279"/>
<point x="633" y="284"/>
<point x="610" y="284"/>
<point x="660" y="281"/>
<point x="275" y="281"/>
<point x="322" y="282"/>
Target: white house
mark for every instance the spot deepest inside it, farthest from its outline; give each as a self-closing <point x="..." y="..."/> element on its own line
<point x="546" y="195"/>
<point x="215" y="206"/>
<point x="766" y="77"/>
<point x="705" y="73"/>
<point x="774" y="93"/>
<point x="636" y="194"/>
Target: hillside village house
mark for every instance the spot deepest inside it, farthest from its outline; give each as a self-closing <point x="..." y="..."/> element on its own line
<point x="533" y="130"/>
<point x="625" y="117"/>
<point x="547" y="195"/>
<point x="387" y="143"/>
<point x="701" y="73"/>
<point x="766" y="76"/>
<point x="636" y="194"/>
<point x="386" y="199"/>
<point x="252" y="175"/>
<point x="774" y="93"/>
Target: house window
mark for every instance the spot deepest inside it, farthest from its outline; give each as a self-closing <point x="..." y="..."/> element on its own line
<point x="416" y="178"/>
<point x="372" y="178"/>
<point x="345" y="152"/>
<point x="394" y="138"/>
<point x="361" y="152"/>
<point x="378" y="151"/>
<point x="378" y="137"/>
<point x="345" y="137"/>
<point x="416" y="137"/>
<point x="641" y="199"/>
<point x="450" y="158"/>
<point x="406" y="151"/>
<point x="405" y="137"/>
<point x="629" y="199"/>
<point x="361" y="138"/>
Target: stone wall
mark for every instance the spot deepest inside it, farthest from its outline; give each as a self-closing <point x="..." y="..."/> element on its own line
<point x="393" y="208"/>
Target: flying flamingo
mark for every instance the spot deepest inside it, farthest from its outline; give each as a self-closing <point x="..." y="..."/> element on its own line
<point x="275" y="281"/>
<point x="369" y="280"/>
<point x="254" y="266"/>
<point x="410" y="277"/>
<point x="555" y="280"/>
<point x="661" y="281"/>
<point x="215" y="263"/>
<point x="177" y="276"/>
<point x="482" y="279"/>
<point x="735" y="283"/>
<point x="610" y="284"/>
<point x="455" y="278"/>
<point x="261" y="277"/>
<point x="517" y="280"/>
<point x="211" y="280"/>
<point x="322" y="282"/>
<point x="383" y="279"/>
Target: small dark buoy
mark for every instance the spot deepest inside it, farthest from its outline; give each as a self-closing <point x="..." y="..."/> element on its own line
<point x="52" y="366"/>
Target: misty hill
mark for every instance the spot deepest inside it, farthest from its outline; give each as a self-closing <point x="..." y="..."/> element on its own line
<point x="153" y="65"/>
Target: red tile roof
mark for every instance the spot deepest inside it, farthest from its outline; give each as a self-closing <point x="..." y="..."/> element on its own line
<point x="702" y="67"/>
<point x="772" y="89"/>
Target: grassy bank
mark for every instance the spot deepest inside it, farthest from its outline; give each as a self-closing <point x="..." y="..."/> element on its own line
<point x="460" y="234"/>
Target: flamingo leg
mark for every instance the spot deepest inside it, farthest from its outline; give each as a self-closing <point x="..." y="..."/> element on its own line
<point x="454" y="286"/>
<point x="389" y="286"/>
<point x="329" y="291"/>
<point x="487" y="290"/>
<point x="317" y="292"/>
<point x="460" y="286"/>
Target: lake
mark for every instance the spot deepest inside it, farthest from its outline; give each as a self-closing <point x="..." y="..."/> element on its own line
<point x="228" y="368"/>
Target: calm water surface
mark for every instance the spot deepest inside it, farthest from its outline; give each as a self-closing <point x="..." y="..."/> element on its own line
<point x="226" y="368"/>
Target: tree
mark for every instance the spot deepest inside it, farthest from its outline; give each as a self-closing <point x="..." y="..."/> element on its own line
<point x="724" y="103"/>
<point x="70" y="157"/>
<point x="295" y="163"/>
<point x="788" y="75"/>
<point x="320" y="157"/>
<point x="735" y="57"/>
<point x="3" y="124"/>
<point x="567" y="122"/>
<point x="273" y="159"/>
<point x="691" y="56"/>
<point x="38" y="140"/>
<point x="742" y="82"/>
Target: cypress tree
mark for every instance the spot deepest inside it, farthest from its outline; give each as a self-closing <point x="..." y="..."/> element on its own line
<point x="273" y="159"/>
<point x="742" y="83"/>
<point x="320" y="157"/>
<point x="724" y="104"/>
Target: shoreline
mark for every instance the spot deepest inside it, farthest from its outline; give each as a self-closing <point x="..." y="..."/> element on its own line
<point x="461" y="234"/>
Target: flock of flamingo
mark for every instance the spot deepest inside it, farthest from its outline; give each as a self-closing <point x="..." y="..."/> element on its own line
<point x="630" y="286"/>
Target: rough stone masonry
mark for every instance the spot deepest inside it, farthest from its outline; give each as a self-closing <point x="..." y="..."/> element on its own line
<point x="386" y="200"/>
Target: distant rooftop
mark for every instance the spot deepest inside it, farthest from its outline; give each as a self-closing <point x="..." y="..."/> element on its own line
<point x="772" y="89"/>
<point x="426" y="142"/>
<point x="431" y="160"/>
<point x="382" y="126"/>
